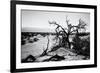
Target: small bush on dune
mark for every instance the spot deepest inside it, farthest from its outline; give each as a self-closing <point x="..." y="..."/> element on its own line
<point x="43" y="35"/>
<point x="36" y="39"/>
<point x="31" y="40"/>
<point x="23" y="42"/>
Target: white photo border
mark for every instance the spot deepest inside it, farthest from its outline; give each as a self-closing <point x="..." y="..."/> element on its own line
<point x="20" y="65"/>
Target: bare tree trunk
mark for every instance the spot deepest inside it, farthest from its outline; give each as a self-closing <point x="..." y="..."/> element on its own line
<point x="69" y="46"/>
<point x="46" y="50"/>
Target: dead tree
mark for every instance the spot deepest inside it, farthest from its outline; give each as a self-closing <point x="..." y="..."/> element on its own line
<point x="67" y="32"/>
<point x="58" y="31"/>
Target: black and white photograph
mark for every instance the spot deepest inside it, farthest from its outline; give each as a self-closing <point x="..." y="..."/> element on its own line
<point x="52" y="36"/>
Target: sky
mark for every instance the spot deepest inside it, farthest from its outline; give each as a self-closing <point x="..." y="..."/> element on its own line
<point x="39" y="19"/>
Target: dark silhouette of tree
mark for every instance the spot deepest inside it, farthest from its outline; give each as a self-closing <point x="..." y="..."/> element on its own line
<point x="65" y="33"/>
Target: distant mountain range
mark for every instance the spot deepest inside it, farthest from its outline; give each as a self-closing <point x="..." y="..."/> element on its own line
<point x="47" y="30"/>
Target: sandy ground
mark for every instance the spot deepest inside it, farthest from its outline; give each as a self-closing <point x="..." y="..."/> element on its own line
<point x="36" y="48"/>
